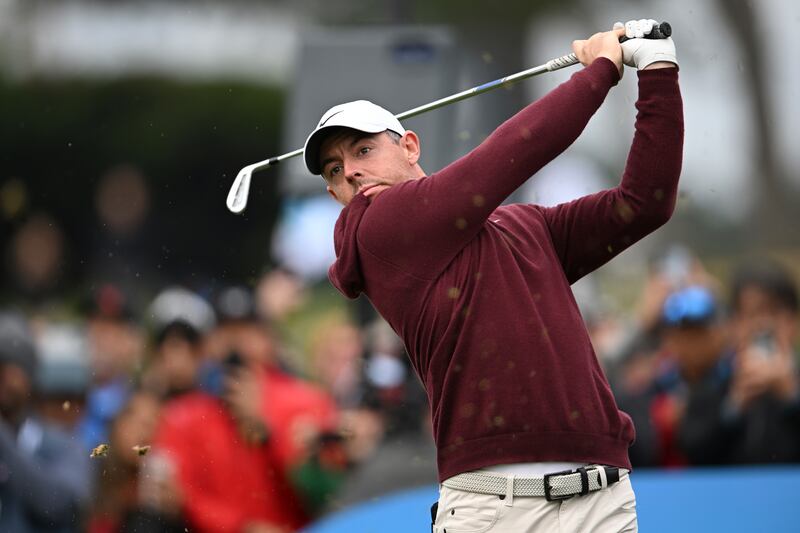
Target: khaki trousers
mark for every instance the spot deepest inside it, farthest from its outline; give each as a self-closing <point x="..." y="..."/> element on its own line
<point x="610" y="510"/>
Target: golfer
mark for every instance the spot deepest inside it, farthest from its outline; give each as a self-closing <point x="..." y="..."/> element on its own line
<point x="528" y="435"/>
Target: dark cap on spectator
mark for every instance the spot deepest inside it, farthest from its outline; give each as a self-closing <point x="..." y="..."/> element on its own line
<point x="690" y="306"/>
<point x="180" y="308"/>
<point x="16" y="343"/>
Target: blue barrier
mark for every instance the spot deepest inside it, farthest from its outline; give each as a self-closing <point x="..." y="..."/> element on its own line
<point x="734" y="500"/>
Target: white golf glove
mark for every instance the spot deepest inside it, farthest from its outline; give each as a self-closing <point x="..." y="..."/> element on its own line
<point x="638" y="52"/>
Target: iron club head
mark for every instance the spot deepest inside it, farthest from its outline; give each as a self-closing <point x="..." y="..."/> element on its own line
<point x="240" y="190"/>
<point x="237" y="196"/>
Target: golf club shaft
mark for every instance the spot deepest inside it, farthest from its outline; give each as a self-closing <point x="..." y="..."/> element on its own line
<point x="662" y="31"/>
<point x="553" y="64"/>
<point x="237" y="196"/>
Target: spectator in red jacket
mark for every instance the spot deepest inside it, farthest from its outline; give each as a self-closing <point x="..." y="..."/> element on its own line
<point x="233" y="449"/>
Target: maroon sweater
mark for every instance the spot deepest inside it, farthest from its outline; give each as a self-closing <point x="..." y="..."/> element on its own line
<point x="481" y="294"/>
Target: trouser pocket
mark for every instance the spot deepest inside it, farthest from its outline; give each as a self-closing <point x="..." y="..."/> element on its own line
<point x="466" y="512"/>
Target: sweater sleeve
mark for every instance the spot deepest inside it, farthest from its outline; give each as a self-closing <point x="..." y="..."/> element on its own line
<point x="420" y="225"/>
<point x="588" y="232"/>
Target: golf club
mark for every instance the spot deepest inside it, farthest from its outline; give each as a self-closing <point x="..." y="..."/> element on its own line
<point x="237" y="196"/>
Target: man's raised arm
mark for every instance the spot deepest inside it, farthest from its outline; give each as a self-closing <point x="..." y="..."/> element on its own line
<point x="422" y="224"/>
<point x="590" y="231"/>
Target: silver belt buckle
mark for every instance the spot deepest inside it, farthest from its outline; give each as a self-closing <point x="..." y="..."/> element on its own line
<point x="548" y="489"/>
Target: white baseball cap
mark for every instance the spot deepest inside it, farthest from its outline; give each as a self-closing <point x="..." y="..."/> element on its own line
<point x="360" y="115"/>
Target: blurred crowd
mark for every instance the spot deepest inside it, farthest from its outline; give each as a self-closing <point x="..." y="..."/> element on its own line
<point x="198" y="413"/>
<point x="708" y="372"/>
<point x="201" y="411"/>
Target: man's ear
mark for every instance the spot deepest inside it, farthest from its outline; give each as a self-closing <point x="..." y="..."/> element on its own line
<point x="410" y="143"/>
<point x="332" y="193"/>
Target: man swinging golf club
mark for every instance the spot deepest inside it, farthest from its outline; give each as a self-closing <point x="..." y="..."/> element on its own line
<point x="528" y="434"/>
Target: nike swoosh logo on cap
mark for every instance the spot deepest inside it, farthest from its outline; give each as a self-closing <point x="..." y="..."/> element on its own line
<point x="330" y="117"/>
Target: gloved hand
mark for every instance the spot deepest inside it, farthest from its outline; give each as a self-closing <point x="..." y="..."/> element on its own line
<point x="638" y="52"/>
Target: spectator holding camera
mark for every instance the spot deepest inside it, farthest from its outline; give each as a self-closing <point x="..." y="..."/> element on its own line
<point x="232" y="444"/>
<point x="692" y="355"/>
<point x="179" y="322"/>
<point x="753" y="414"/>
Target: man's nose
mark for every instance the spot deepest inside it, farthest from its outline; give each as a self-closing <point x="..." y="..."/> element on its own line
<point x="352" y="175"/>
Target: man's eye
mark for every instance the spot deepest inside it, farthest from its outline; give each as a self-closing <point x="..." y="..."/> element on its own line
<point x="334" y="170"/>
<point x="364" y="150"/>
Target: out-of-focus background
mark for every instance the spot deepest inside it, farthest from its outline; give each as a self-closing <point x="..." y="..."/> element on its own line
<point x="234" y="389"/>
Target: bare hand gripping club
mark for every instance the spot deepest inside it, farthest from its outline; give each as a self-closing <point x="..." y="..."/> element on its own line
<point x="237" y="196"/>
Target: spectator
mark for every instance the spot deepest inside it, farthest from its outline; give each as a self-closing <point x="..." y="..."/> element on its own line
<point x="281" y="297"/>
<point x="37" y="261"/>
<point x="752" y="416"/>
<point x="180" y="320"/>
<point x="44" y="476"/>
<point x="117" y="505"/>
<point x="695" y="337"/>
<point x="336" y="352"/>
<point x="644" y="375"/>
<point x="148" y="499"/>
<point x="279" y="294"/>
<point x="233" y="451"/>
<point x="121" y="249"/>
<point x="405" y="455"/>
<point x="692" y="356"/>
<point x="62" y="376"/>
<point x="115" y="351"/>
<point x="668" y="272"/>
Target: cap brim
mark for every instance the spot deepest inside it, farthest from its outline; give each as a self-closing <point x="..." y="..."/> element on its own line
<point x="314" y="142"/>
